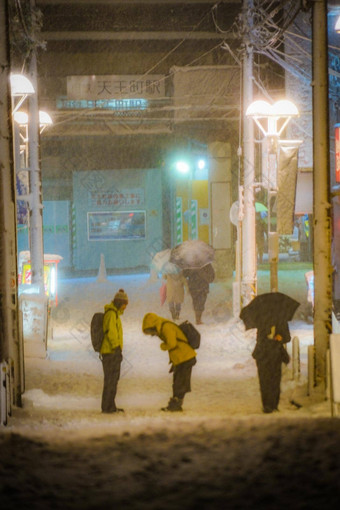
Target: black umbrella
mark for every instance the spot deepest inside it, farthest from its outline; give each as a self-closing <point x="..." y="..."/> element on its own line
<point x="192" y="254"/>
<point x="268" y="310"/>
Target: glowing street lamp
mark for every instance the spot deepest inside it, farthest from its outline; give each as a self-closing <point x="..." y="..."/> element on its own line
<point x="201" y="164"/>
<point x="20" y="87"/>
<point x="183" y="167"/>
<point x="272" y="119"/>
<point x="44" y="120"/>
<point x="268" y="117"/>
<point x="21" y="131"/>
<point x="337" y="25"/>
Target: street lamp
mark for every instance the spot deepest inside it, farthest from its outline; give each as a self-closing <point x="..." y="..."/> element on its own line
<point x="183" y="167"/>
<point x="44" y="120"/>
<point x="271" y="119"/>
<point x="21" y="139"/>
<point x="337" y="25"/>
<point x="20" y="87"/>
<point x="22" y="119"/>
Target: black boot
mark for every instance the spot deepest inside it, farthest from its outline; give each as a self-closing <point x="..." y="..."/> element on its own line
<point x="174" y="405"/>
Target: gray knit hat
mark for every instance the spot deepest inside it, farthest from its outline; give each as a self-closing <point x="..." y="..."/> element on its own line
<point x="122" y="296"/>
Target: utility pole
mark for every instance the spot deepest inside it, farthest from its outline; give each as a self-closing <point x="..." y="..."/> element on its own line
<point x="35" y="201"/>
<point x="249" y="268"/>
<point x="321" y="195"/>
<point x="9" y="329"/>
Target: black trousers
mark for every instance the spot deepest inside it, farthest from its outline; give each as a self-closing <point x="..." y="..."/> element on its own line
<point x="269" y="372"/>
<point x="198" y="301"/>
<point x="182" y="378"/>
<point x="111" y="367"/>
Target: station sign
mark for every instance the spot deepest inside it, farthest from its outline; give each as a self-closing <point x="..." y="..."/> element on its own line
<point x="96" y="87"/>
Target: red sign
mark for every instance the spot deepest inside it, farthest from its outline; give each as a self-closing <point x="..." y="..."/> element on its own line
<point x="337" y="153"/>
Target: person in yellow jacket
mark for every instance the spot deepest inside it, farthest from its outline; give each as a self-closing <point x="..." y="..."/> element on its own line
<point x="181" y="356"/>
<point x="111" y="350"/>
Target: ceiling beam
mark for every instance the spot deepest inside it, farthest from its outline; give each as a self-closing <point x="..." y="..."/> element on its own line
<point x="139" y="2"/>
<point x="130" y="36"/>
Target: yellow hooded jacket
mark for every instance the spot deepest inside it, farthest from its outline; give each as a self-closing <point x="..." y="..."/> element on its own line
<point x="173" y="339"/>
<point x="113" y="331"/>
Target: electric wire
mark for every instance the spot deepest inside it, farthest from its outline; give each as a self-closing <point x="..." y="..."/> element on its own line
<point x="81" y="114"/>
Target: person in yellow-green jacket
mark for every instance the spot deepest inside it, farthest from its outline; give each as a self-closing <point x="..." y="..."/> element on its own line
<point x="111" y="350"/>
<point x="181" y="356"/>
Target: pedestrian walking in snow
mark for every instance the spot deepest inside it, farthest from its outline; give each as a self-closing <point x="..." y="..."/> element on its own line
<point x="198" y="283"/>
<point x="111" y="350"/>
<point x="269" y="313"/>
<point x="175" y="283"/>
<point x="261" y="231"/>
<point x="181" y="356"/>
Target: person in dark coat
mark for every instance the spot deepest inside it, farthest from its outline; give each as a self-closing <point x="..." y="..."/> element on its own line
<point x="269" y="354"/>
<point x="181" y="356"/>
<point x="198" y="284"/>
<point x="111" y="350"/>
<point x="261" y="231"/>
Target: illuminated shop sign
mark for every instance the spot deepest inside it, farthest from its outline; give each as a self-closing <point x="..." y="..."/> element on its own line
<point x="337" y="153"/>
<point x="104" y="104"/>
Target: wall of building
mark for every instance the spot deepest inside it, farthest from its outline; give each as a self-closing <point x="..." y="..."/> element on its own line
<point x="103" y="200"/>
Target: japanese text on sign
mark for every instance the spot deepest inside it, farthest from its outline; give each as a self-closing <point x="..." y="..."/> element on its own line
<point x="108" y="87"/>
<point x="116" y="198"/>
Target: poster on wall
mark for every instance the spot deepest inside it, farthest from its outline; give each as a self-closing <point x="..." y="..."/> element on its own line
<point x="133" y="197"/>
<point x="337" y="153"/>
<point x="116" y="225"/>
<point x="22" y="205"/>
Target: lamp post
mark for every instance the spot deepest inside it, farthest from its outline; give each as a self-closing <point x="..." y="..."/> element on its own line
<point x="27" y="128"/>
<point x="11" y="387"/>
<point x="21" y="88"/>
<point x="21" y="140"/>
<point x="271" y="120"/>
<point x="21" y="149"/>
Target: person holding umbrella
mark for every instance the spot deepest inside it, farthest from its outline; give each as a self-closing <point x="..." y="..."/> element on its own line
<point x="195" y="257"/>
<point x="269" y="313"/>
<point x="198" y="284"/>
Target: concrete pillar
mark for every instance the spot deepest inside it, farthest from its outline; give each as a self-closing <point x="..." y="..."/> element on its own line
<point x="220" y="203"/>
<point x="9" y="324"/>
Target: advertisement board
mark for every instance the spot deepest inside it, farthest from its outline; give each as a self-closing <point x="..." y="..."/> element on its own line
<point x="116" y="225"/>
<point x="337" y="153"/>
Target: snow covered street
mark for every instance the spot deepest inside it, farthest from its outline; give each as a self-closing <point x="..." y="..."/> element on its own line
<point x="221" y="452"/>
<point x="224" y="381"/>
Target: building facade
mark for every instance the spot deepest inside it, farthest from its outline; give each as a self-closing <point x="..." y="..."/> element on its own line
<point x="131" y="86"/>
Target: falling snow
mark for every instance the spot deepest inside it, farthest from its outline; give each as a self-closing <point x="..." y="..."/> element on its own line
<point x="222" y="451"/>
